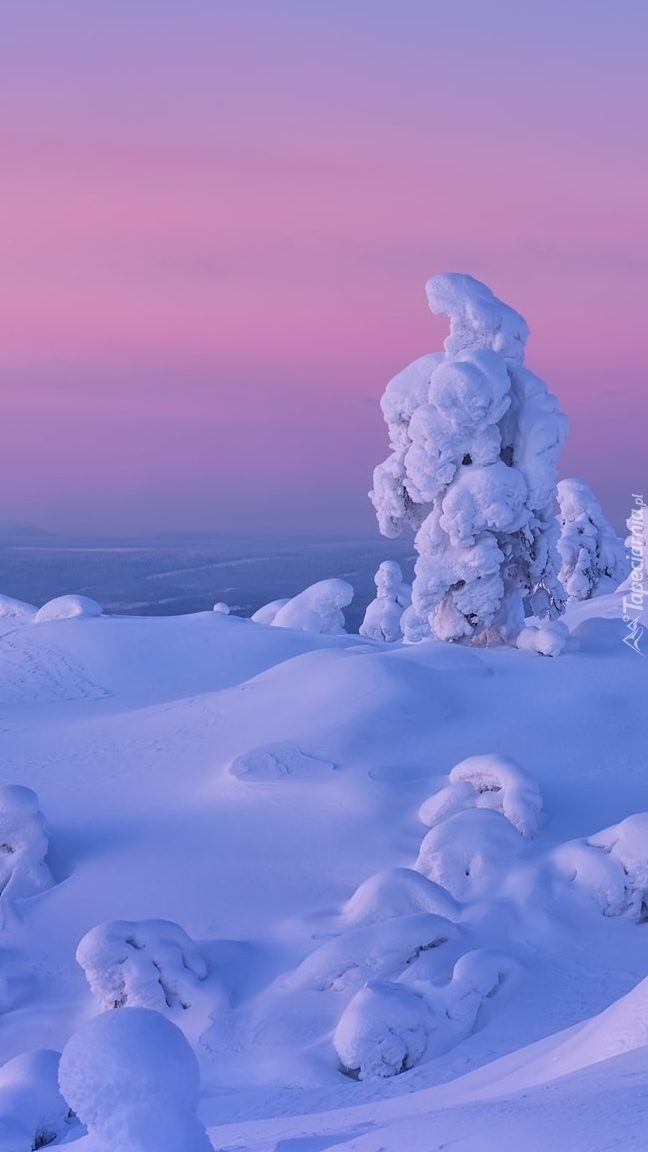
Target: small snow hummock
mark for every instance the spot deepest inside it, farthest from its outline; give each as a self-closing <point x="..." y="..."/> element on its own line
<point x="67" y="607"/>
<point x="16" y="609"/>
<point x="397" y="892"/>
<point x="490" y="781"/>
<point x="222" y="608"/>
<point x="267" y="613"/>
<point x="33" y="1113"/>
<point x="474" y="438"/>
<point x="132" y="1079"/>
<point x="142" y="963"/>
<point x="550" y="638"/>
<point x="317" y="609"/>
<point x="383" y="1031"/>
<point x="382" y="619"/>
<point x="589" y="547"/>
<point x="23" y="844"/>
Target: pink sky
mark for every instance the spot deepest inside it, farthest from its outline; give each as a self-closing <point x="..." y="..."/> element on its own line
<point x="217" y="219"/>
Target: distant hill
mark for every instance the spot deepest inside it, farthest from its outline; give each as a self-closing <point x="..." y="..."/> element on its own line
<point x="21" y="532"/>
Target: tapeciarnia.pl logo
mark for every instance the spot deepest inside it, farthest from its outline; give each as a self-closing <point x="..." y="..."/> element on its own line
<point x="633" y="602"/>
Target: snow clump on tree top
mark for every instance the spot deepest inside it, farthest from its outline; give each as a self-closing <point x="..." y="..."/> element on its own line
<point x="317" y="609"/>
<point x="589" y="547"/>
<point x="132" y="1079"/>
<point x="474" y="437"/>
<point x="382" y="620"/>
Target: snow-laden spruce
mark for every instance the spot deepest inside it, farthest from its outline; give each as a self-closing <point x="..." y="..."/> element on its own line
<point x="474" y="437"/>
<point x="382" y="620"/>
<point x="132" y="1079"/>
<point x="589" y="547"/>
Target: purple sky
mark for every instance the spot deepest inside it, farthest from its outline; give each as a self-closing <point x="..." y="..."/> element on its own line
<point x="218" y="216"/>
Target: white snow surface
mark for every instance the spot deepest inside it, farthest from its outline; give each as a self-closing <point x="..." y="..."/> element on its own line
<point x="234" y="850"/>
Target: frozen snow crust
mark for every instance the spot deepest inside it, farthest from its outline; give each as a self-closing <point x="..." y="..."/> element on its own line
<point x="351" y="892"/>
<point x="474" y="438"/>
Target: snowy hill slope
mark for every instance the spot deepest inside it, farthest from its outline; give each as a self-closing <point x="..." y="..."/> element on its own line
<point x="243" y="781"/>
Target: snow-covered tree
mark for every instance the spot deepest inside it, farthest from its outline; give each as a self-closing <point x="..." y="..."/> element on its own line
<point x="393" y="596"/>
<point x="589" y="547"/>
<point x="474" y="437"/>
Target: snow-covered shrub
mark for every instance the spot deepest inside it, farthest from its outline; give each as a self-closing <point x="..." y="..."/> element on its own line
<point x="589" y="547"/>
<point x="490" y="781"/>
<point x="383" y="1031"/>
<point x="382" y="617"/>
<point x="141" y="963"/>
<point x="317" y="609"/>
<point x="16" y="609"/>
<point x="32" y="1111"/>
<point x="374" y="952"/>
<point x="23" y="844"/>
<point x="397" y="892"/>
<point x="611" y="866"/>
<point x="474" y="438"/>
<point x="470" y="853"/>
<point x="132" y="1079"/>
<point x="548" y="639"/>
<point x="67" y="607"/>
<point x="267" y="613"/>
<point x="477" y="976"/>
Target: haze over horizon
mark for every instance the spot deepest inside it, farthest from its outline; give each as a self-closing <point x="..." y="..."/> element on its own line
<point x="219" y="221"/>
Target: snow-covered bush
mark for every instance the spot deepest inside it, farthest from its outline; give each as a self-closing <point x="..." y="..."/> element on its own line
<point x="23" y="844"/>
<point x="471" y="852"/>
<point x="132" y="1079"/>
<point x="611" y="866"/>
<point x="474" y="438"/>
<point x="589" y="547"/>
<point x="490" y="781"/>
<point x="374" y="952"/>
<point x="477" y="976"/>
<point x="383" y="1031"/>
<point x="17" y="610"/>
<point x="548" y="639"/>
<point x="32" y="1111"/>
<point x="141" y="963"/>
<point x="67" y="607"/>
<point x="317" y="609"/>
<point x="267" y="613"/>
<point x="397" y="892"/>
<point x="382" y="617"/>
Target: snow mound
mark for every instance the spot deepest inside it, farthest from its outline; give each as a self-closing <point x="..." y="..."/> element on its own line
<point x="145" y="964"/>
<point x="397" y="892"/>
<point x="23" y="844"/>
<point x="382" y="619"/>
<point x="471" y="852"/>
<point x="278" y="761"/>
<point x="376" y="951"/>
<point x="267" y="613"/>
<point x="16" y="609"/>
<point x="32" y="1111"/>
<point x="67" y="607"/>
<point x="490" y="781"/>
<point x="317" y="609"/>
<point x="589" y="548"/>
<point x="383" y="1031"/>
<point x="611" y="866"/>
<point x="549" y="639"/>
<point x="221" y="608"/>
<point x="132" y="1079"/>
<point x="477" y="977"/>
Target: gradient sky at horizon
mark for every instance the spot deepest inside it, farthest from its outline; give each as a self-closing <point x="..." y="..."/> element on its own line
<point x="216" y="222"/>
